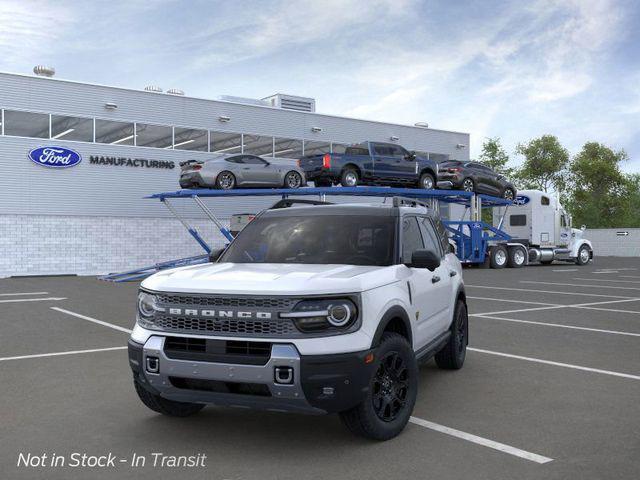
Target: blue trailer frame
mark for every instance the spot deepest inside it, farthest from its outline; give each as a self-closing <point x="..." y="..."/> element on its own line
<point x="472" y="237"/>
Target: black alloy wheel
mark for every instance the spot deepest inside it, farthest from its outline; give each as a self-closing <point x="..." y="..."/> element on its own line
<point x="390" y="387"/>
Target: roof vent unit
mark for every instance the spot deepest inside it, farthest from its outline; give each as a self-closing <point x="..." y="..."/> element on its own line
<point x="291" y="102"/>
<point x="43" y="71"/>
<point x="153" y="88"/>
<point x="244" y="100"/>
<point x="175" y="91"/>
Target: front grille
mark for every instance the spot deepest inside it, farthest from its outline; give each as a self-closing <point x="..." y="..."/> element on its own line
<point x="217" y="351"/>
<point x="264" y="328"/>
<point x="207" y="301"/>
<point x="217" y="386"/>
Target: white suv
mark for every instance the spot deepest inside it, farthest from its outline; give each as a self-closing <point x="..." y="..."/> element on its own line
<point x="311" y="309"/>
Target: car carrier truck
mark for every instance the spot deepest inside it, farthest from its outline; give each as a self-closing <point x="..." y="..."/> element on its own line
<point x="540" y="231"/>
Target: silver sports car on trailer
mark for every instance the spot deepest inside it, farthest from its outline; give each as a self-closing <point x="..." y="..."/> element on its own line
<point x="241" y="170"/>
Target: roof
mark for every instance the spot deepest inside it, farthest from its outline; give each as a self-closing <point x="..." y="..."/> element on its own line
<point x="377" y="210"/>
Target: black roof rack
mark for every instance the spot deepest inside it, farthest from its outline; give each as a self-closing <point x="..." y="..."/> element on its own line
<point x="289" y="202"/>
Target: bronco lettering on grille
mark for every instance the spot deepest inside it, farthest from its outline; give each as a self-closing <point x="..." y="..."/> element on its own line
<point x="192" y="312"/>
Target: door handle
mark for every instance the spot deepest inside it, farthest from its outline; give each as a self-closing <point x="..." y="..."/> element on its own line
<point x="435" y="279"/>
<point x="452" y="273"/>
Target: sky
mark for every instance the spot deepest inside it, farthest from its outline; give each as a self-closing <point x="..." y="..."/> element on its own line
<point x="509" y="69"/>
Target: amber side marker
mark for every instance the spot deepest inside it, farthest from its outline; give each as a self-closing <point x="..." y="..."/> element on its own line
<point x="368" y="358"/>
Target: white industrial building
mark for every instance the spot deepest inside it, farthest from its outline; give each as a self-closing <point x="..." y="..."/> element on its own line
<point x="91" y="218"/>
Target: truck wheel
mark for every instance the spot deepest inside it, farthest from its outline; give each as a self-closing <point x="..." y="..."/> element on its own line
<point x="225" y="180"/>
<point x="584" y="255"/>
<point x="517" y="257"/>
<point x="427" y="182"/>
<point x="349" y="178"/>
<point x="393" y="388"/>
<point x="499" y="256"/>
<point x="452" y="355"/>
<point x="164" y="406"/>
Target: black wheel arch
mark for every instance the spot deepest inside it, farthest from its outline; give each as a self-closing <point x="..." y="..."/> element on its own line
<point x="352" y="166"/>
<point x="396" y="319"/>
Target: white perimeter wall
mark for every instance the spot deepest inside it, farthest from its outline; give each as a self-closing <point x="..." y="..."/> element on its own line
<point x="612" y="242"/>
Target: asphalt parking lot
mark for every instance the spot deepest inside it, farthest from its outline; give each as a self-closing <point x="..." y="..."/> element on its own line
<point x="550" y="389"/>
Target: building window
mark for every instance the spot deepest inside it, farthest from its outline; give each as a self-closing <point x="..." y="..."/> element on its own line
<point x="316" y="148"/>
<point x="226" y="142"/>
<point x="26" y="124"/>
<point x="71" y="128"/>
<point x="438" y="157"/>
<point x="338" y="147"/>
<point x="157" y="136"/>
<point x="257" y="145"/>
<point x="190" y="139"/>
<point x="115" y="133"/>
<point x="287" y="148"/>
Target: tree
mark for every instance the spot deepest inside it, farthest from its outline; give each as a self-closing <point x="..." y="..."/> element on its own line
<point x="600" y="195"/>
<point x="545" y="164"/>
<point x="494" y="156"/>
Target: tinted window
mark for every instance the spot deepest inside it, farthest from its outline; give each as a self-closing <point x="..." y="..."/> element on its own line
<point x="442" y="234"/>
<point x="411" y="238"/>
<point x="357" y="151"/>
<point x="397" y="151"/>
<point x="253" y="160"/>
<point x="382" y="150"/>
<point x="544" y="201"/>
<point x="338" y="148"/>
<point x="26" y="124"/>
<point x="238" y="159"/>
<point x="115" y="133"/>
<point x="431" y="240"/>
<point x="71" y="128"/>
<point x="518" y="220"/>
<point x="350" y="240"/>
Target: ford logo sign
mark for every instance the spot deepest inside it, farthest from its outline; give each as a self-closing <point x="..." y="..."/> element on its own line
<point x="521" y="200"/>
<point x="55" y="157"/>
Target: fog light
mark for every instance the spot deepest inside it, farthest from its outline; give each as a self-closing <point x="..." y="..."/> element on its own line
<point x="153" y="365"/>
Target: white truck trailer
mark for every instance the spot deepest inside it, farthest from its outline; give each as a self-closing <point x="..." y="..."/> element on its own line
<point x="541" y="232"/>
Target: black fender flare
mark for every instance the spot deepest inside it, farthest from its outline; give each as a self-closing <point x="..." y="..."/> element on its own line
<point x="394" y="312"/>
<point x="430" y="171"/>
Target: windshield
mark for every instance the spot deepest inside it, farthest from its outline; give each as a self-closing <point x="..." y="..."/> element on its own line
<point x="325" y="239"/>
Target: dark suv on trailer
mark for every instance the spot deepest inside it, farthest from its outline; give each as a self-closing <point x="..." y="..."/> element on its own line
<point x="474" y="177"/>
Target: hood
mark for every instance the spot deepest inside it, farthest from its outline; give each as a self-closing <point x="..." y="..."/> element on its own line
<point x="272" y="278"/>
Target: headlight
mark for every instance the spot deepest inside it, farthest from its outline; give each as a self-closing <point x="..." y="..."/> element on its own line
<point x="147" y="309"/>
<point x="319" y="315"/>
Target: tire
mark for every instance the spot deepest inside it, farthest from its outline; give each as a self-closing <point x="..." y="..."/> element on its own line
<point x="468" y="185"/>
<point x="517" y="257"/>
<point x="584" y="255"/>
<point x="292" y="180"/>
<point x="164" y="406"/>
<point x="393" y="388"/>
<point x="225" y="180"/>
<point x="349" y="177"/>
<point x="427" y="182"/>
<point x="452" y="355"/>
<point x="499" y="256"/>
<point x="508" y="194"/>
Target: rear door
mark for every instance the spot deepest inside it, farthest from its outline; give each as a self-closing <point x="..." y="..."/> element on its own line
<point x="405" y="167"/>
<point x="383" y="160"/>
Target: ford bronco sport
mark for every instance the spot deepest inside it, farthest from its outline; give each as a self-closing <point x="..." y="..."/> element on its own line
<point x="310" y="309"/>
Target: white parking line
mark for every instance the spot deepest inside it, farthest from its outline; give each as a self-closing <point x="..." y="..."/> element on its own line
<point x="629" y="276"/>
<point x="57" y="354"/>
<point x="588" y="306"/>
<point x="566" y="270"/>
<point x="559" y="325"/>
<point x="510" y="301"/>
<point x="94" y="320"/>
<point x="556" y="364"/>
<point x="606" y="280"/>
<point x="581" y="285"/>
<point x="547" y="291"/>
<point x="27" y="293"/>
<point x="18" y="300"/>
<point x="485" y="442"/>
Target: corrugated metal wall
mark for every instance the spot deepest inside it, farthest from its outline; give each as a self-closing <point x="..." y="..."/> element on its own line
<point x="614" y="242"/>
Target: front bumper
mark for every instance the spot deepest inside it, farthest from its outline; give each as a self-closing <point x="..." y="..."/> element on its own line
<point x="319" y="383"/>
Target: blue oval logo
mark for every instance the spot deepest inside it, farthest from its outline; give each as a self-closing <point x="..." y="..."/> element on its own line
<point x="521" y="200"/>
<point x="55" y="157"/>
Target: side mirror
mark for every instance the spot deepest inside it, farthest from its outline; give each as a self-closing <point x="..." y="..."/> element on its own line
<point x="215" y="255"/>
<point x="410" y="156"/>
<point x="425" y="259"/>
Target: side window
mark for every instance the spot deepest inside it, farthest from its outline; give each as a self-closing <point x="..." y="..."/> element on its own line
<point x="544" y="200"/>
<point x="442" y="234"/>
<point x="411" y="238"/>
<point x="382" y="149"/>
<point x="517" y="220"/>
<point x="398" y="151"/>
<point x="253" y="160"/>
<point x="431" y="241"/>
<point x="238" y="159"/>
